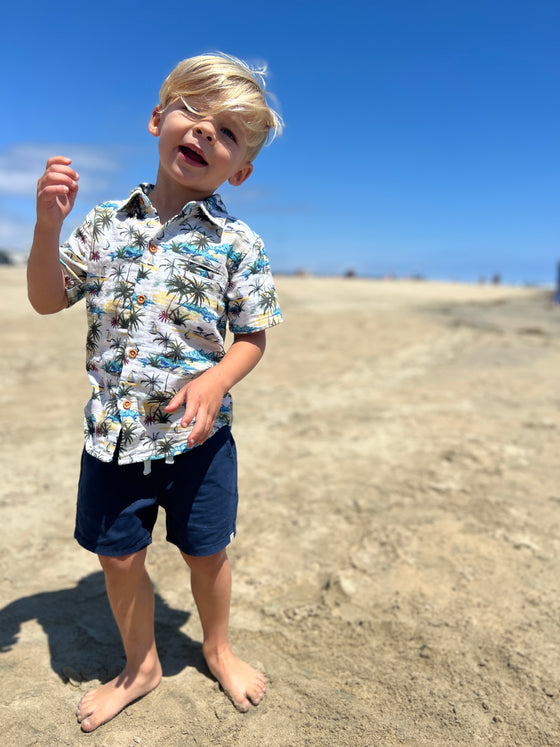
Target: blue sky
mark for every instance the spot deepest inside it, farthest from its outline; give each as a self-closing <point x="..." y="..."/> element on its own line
<point x="422" y="136"/>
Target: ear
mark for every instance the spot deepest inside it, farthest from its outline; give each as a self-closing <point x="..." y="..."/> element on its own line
<point x="241" y="174"/>
<point x="155" y="122"/>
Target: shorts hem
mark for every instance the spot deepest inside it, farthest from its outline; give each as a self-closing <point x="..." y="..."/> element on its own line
<point x="112" y="552"/>
<point x="205" y="551"/>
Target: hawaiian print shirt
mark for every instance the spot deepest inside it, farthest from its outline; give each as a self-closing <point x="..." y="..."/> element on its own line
<point x="159" y="298"/>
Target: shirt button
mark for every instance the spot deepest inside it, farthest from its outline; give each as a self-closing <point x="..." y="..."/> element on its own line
<point x="127" y="404"/>
<point x="132" y="353"/>
<point x="153" y="248"/>
<point x="141" y="299"/>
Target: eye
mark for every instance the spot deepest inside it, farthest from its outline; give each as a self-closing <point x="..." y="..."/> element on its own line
<point x="228" y="133"/>
<point x="189" y="107"/>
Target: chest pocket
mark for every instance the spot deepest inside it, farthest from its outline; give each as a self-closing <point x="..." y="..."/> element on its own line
<point x="197" y="282"/>
<point x="203" y="270"/>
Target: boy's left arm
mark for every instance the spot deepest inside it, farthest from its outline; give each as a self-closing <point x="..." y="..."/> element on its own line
<point x="203" y="396"/>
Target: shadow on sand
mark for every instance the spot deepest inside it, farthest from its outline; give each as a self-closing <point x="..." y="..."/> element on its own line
<point x="83" y="638"/>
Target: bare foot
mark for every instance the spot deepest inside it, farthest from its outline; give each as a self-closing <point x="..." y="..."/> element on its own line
<point x="244" y="685"/>
<point x="102" y="704"/>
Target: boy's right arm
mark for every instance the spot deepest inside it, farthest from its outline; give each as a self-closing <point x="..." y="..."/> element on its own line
<point x="56" y="194"/>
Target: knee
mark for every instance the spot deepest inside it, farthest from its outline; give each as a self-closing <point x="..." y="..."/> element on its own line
<point x="207" y="564"/>
<point x="123" y="565"/>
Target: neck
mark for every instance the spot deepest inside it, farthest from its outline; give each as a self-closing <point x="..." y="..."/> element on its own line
<point x="168" y="200"/>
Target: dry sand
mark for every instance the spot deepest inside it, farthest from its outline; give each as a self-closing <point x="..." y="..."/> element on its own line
<point x="396" y="568"/>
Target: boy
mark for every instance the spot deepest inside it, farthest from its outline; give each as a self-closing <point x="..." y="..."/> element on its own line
<point x="162" y="274"/>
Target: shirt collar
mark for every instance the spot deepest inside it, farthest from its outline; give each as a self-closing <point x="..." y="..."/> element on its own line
<point x="138" y="204"/>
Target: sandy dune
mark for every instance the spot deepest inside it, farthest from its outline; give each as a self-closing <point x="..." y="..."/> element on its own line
<point x="397" y="562"/>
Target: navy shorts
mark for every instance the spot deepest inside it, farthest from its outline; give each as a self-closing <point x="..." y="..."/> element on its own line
<point x="118" y="504"/>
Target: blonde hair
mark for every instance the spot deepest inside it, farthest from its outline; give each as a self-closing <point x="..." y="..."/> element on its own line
<point x="218" y="82"/>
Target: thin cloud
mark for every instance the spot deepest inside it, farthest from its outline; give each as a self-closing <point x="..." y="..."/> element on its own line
<point x="22" y="164"/>
<point x="15" y="234"/>
<point x="261" y="199"/>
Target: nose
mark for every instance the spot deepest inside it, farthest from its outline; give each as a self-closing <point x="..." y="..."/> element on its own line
<point x="206" y="130"/>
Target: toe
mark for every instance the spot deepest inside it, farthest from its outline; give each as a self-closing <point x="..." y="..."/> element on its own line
<point x="256" y="691"/>
<point x="239" y="700"/>
<point x="256" y="696"/>
<point x="81" y="713"/>
<point x="242" y="705"/>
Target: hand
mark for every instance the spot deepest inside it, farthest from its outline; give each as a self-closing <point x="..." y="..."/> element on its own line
<point x="56" y="192"/>
<point x="202" y="398"/>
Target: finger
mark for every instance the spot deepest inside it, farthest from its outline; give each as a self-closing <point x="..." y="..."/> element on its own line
<point x="196" y="437"/>
<point x="53" y="160"/>
<point x="55" y="190"/>
<point x="46" y="192"/>
<point x="60" y="176"/>
<point x="201" y="430"/>
<point x="175" y="402"/>
<point x="192" y="411"/>
<point x="64" y="167"/>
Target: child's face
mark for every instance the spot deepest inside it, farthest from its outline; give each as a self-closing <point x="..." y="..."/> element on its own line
<point x="198" y="154"/>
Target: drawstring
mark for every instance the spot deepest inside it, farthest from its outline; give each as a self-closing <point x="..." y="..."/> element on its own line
<point x="148" y="464"/>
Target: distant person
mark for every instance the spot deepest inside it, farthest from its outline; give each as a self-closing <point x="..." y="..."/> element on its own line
<point x="163" y="272"/>
<point x="556" y="298"/>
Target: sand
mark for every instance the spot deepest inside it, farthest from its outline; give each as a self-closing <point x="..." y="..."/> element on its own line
<point x="397" y="561"/>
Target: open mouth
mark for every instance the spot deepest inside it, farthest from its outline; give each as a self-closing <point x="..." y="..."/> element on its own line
<point x="193" y="156"/>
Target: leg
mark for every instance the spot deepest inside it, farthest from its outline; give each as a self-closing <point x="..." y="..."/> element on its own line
<point x="211" y="587"/>
<point x="131" y="597"/>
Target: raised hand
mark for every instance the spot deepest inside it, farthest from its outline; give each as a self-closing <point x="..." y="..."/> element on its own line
<point x="56" y="192"/>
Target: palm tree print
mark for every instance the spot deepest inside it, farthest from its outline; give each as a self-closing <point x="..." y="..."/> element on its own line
<point x="125" y="389"/>
<point x="102" y="221"/>
<point x="151" y="382"/>
<point x="117" y="272"/>
<point x="159" y="299"/>
<point x="81" y="235"/>
<point x="133" y="320"/>
<point x="178" y="317"/>
<point x="268" y="299"/>
<point x="144" y="273"/>
<point x="164" y="447"/>
<point x="176" y="351"/>
<point x="123" y="291"/>
<point x="159" y="398"/>
<point x="255" y="268"/>
<point x="196" y="292"/>
<point x="236" y="308"/>
<point x="160" y="416"/>
<point x="256" y="287"/>
<point x="200" y="241"/>
<point x="93" y="335"/>
<point x="103" y="428"/>
<point x="163" y="338"/>
<point x="151" y="439"/>
<point x="94" y="288"/>
<point x="128" y="430"/>
<point x="176" y="285"/>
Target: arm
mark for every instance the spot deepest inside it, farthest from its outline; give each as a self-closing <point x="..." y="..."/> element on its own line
<point x="56" y="194"/>
<point x="203" y="396"/>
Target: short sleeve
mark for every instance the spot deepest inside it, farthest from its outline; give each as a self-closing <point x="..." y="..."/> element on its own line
<point x="252" y="303"/>
<point x="74" y="255"/>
